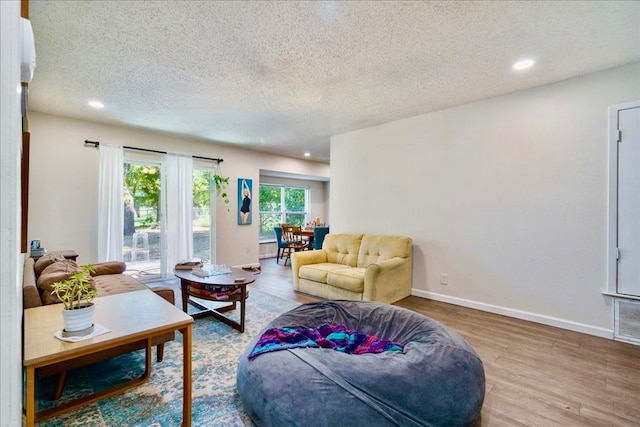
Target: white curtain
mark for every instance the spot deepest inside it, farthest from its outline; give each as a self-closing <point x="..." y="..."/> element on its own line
<point x="179" y="205"/>
<point x="110" y="204"/>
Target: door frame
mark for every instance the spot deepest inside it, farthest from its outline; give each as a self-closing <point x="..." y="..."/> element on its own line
<point x="612" y="217"/>
<point x="199" y="164"/>
<point x="158" y="161"/>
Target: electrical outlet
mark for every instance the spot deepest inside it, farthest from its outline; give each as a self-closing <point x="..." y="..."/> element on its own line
<point x="444" y="279"/>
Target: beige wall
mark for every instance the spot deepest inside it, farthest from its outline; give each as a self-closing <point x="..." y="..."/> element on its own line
<point x="64" y="183"/>
<point x="508" y="196"/>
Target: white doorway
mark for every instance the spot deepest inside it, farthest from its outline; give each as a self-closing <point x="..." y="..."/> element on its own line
<point x="144" y="228"/>
<point x="625" y="199"/>
<point x="624" y="219"/>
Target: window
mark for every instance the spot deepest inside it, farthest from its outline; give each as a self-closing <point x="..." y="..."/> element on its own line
<point x="280" y="204"/>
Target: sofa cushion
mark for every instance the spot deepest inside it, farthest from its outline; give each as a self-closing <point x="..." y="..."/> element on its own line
<point x="56" y="272"/>
<point x="319" y="272"/>
<point x="342" y="248"/>
<point x="351" y="279"/>
<point x="374" y="249"/>
<point x="44" y="262"/>
<point x="111" y="284"/>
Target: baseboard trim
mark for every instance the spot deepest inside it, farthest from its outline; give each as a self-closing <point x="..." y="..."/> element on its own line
<point x="518" y="314"/>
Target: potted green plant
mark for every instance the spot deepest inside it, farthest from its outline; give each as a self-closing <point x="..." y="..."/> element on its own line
<point x="77" y="295"/>
<point x="221" y="183"/>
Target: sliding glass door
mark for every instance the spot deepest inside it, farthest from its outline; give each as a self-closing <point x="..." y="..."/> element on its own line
<point x="146" y="235"/>
<point x="203" y="217"/>
<point x="143" y="229"/>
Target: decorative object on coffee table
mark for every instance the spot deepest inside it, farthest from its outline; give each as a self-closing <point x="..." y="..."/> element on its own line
<point x="76" y="294"/>
<point x="437" y="380"/>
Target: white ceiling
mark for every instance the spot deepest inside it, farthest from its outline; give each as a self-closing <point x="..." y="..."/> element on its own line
<point x="284" y="76"/>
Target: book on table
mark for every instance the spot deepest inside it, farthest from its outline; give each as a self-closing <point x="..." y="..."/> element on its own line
<point x="220" y="293"/>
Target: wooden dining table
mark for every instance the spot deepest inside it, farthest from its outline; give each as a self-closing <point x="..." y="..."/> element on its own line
<point x="306" y="235"/>
<point x="307" y="232"/>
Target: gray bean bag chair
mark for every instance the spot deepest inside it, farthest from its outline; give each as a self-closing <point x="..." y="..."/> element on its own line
<point x="438" y="380"/>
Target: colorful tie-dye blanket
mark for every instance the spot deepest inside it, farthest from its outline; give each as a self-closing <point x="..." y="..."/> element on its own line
<point x="335" y="337"/>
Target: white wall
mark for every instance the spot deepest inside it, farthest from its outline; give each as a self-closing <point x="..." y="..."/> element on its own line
<point x="64" y="183"/>
<point x="10" y="257"/>
<point x="508" y="196"/>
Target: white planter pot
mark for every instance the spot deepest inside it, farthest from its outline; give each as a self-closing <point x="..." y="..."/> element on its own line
<point x="79" y="319"/>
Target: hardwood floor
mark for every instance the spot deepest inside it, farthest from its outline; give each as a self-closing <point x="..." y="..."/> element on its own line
<point x="277" y="280"/>
<point x="536" y="375"/>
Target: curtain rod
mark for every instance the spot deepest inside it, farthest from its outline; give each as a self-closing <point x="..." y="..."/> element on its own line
<point x="96" y="144"/>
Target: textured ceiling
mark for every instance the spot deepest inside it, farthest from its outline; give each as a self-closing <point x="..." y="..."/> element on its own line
<point x="283" y="77"/>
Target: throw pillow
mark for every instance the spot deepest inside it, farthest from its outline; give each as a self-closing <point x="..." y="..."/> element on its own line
<point x="56" y="272"/>
<point x="44" y="262"/>
<point x="108" y="267"/>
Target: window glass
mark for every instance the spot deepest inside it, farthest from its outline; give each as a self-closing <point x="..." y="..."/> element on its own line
<point x="202" y="214"/>
<point x="280" y="204"/>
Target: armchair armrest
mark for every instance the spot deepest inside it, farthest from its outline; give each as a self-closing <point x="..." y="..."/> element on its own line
<point x="388" y="281"/>
<point x="298" y="259"/>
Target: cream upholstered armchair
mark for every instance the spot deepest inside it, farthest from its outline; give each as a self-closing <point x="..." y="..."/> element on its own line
<point x="356" y="267"/>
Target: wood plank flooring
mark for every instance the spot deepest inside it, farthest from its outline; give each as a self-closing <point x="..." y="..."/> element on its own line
<point x="536" y="375"/>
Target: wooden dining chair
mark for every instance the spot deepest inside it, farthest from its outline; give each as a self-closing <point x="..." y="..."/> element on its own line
<point x="292" y="236"/>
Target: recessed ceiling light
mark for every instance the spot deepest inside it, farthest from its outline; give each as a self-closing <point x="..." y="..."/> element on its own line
<point x="307" y="154"/>
<point x="524" y="64"/>
<point x="96" y="104"/>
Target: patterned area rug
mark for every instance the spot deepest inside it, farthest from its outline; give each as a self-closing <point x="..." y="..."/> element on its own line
<point x="158" y="402"/>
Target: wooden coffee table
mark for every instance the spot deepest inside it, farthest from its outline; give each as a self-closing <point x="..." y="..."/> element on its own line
<point x="131" y="317"/>
<point x="237" y="277"/>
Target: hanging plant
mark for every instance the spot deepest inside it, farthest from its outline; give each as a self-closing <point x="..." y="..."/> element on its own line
<point x="221" y="184"/>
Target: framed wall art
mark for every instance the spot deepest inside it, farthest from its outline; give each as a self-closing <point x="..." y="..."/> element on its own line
<point x="244" y="201"/>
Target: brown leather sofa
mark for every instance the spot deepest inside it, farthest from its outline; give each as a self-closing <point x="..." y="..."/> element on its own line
<point x="108" y="280"/>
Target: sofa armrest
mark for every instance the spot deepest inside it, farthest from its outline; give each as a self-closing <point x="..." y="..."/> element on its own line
<point x="298" y="259"/>
<point x="388" y="281"/>
<point x="108" y="267"/>
<point x="165" y="292"/>
<point x="30" y="293"/>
